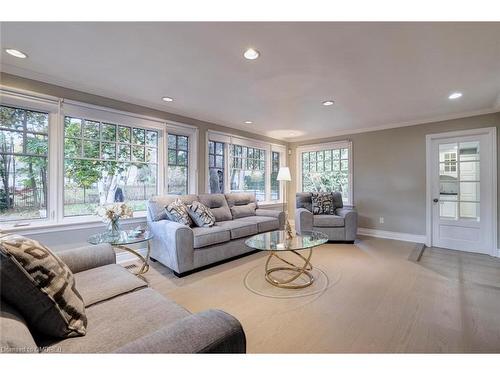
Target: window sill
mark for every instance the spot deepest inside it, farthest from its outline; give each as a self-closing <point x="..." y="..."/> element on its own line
<point x="82" y="222"/>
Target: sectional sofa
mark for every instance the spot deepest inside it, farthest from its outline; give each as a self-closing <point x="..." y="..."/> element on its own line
<point x="124" y="315"/>
<point x="184" y="249"/>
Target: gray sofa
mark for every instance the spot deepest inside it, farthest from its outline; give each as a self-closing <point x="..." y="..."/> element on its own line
<point x="341" y="227"/>
<point x="185" y="250"/>
<point x="124" y="316"/>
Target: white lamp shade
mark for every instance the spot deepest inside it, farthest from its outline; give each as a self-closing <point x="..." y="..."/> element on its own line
<point x="284" y="174"/>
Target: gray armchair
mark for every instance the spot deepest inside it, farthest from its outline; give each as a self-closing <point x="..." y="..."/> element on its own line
<point x="341" y="227"/>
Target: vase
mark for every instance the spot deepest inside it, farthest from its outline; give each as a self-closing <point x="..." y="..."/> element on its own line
<point x="114" y="227"/>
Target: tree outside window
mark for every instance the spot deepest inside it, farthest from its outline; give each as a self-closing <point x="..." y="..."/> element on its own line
<point x="23" y="163"/>
<point x="248" y="167"/>
<point x="106" y="163"/>
<point x="178" y="164"/>
<point x="326" y="170"/>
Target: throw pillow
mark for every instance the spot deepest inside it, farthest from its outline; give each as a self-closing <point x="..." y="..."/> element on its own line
<point x="201" y="214"/>
<point x="243" y="210"/>
<point x="322" y="204"/>
<point x="178" y="211"/>
<point x="41" y="287"/>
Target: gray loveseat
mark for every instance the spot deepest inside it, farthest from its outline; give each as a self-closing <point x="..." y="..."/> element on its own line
<point x="184" y="249"/>
<point x="124" y="315"/>
<point x="341" y="227"/>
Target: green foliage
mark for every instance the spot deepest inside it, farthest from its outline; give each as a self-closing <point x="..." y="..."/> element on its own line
<point x="84" y="173"/>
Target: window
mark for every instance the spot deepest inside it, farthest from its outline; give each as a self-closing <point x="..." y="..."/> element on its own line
<point x="248" y="166"/>
<point x="105" y="163"/>
<point x="216" y="167"/>
<point x="178" y="164"/>
<point x="24" y="146"/>
<point x="275" y="184"/>
<point x="450" y="162"/>
<point x="326" y="168"/>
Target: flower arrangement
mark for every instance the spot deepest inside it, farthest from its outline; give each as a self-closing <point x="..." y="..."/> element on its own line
<point x="112" y="213"/>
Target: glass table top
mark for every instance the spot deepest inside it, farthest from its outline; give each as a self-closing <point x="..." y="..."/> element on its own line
<point x="123" y="237"/>
<point x="277" y="241"/>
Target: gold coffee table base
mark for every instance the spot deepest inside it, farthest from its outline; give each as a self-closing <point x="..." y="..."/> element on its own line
<point x="145" y="260"/>
<point x="297" y="271"/>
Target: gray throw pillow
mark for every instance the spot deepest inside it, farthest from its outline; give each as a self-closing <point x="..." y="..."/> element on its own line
<point x="201" y="214"/>
<point x="41" y="287"/>
<point x="177" y="211"/>
<point x="243" y="211"/>
<point x="322" y="204"/>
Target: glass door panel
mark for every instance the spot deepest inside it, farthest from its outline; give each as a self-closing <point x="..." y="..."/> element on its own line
<point x="459" y="180"/>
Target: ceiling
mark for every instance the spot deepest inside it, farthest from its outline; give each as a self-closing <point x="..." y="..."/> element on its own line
<point x="379" y="74"/>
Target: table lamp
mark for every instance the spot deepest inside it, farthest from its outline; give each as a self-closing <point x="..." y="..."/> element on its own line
<point x="284" y="175"/>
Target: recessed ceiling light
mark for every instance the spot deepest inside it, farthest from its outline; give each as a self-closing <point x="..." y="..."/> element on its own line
<point x="251" y="54"/>
<point x="455" y="95"/>
<point x="327" y="103"/>
<point x="248" y="122"/>
<point x="292" y="134"/>
<point x="167" y="99"/>
<point x="16" y="53"/>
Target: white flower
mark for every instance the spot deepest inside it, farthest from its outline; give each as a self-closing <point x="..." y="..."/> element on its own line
<point x="112" y="212"/>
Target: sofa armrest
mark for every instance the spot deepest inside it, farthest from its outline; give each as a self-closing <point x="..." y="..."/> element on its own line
<point x="173" y="245"/>
<point x="280" y="215"/>
<point x="211" y="331"/>
<point x="350" y="216"/>
<point x="86" y="257"/>
<point x="303" y="220"/>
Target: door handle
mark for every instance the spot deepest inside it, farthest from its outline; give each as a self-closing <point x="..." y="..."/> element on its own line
<point x="435" y="200"/>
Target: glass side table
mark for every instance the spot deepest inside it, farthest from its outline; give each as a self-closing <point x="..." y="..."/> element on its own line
<point x="276" y="242"/>
<point x="121" y="240"/>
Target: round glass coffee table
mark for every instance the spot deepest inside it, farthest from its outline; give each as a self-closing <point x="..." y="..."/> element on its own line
<point x="122" y="239"/>
<point x="276" y="242"/>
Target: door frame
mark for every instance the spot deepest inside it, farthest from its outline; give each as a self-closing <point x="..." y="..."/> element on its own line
<point x="492" y="133"/>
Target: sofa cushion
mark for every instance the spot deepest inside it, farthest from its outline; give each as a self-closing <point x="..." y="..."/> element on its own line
<point x="177" y="211"/>
<point x="337" y="199"/>
<point x="210" y="236"/>
<point x="103" y="283"/>
<point x="41" y="287"/>
<point x="243" y="211"/>
<point x="264" y="223"/>
<point x="201" y="214"/>
<point x="303" y="200"/>
<point x="15" y="336"/>
<point x="121" y="320"/>
<point x="217" y="204"/>
<point x="239" y="228"/>
<point x="322" y="203"/>
<point x="156" y="205"/>
<point x="328" y="221"/>
<point x="241" y="204"/>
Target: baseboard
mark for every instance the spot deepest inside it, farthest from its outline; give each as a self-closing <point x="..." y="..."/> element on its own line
<point x="408" y="237"/>
<point x="125" y="256"/>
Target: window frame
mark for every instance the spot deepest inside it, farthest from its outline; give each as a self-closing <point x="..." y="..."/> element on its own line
<point x="177" y="149"/>
<point x="349" y="200"/>
<point x="223" y="168"/>
<point x="117" y="143"/>
<point x="230" y="139"/>
<point x="49" y="105"/>
<point x="58" y="108"/>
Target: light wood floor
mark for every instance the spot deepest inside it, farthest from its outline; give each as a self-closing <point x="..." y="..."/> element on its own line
<point x="383" y="302"/>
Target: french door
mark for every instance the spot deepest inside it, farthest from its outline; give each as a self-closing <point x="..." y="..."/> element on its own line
<point x="462" y="183"/>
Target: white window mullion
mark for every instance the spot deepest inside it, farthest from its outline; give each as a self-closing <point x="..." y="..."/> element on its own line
<point x="56" y="167"/>
<point x="268" y="162"/>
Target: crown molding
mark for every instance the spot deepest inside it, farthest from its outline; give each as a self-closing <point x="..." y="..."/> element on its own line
<point x="428" y="120"/>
